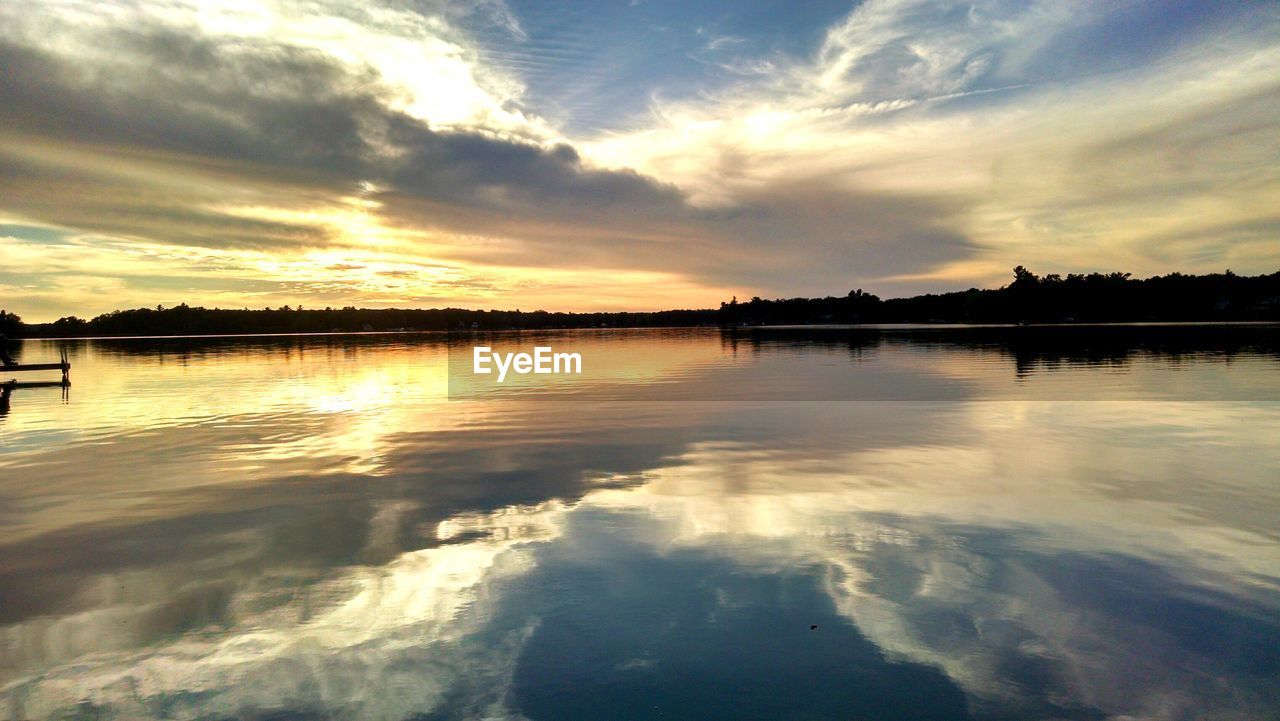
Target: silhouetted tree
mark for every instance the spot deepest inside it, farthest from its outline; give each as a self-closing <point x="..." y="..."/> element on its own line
<point x="1095" y="297"/>
<point x="11" y="325"/>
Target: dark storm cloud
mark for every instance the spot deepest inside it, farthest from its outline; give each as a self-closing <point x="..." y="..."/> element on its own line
<point x="477" y="170"/>
<point x="112" y="149"/>
<point x="833" y="235"/>
<point x="787" y="237"/>
<point x="290" y="109"/>
<point x="270" y="104"/>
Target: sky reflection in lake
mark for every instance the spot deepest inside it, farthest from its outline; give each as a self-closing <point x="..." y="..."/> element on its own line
<point x="309" y="528"/>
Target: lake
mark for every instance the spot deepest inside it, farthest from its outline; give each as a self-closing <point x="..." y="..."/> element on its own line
<point x="791" y="523"/>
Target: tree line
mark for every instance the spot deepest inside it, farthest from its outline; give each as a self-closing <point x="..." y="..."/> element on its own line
<point x="193" y="320"/>
<point x="1028" y="298"/>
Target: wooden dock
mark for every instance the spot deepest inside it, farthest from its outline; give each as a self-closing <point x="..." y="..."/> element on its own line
<point x="63" y="365"/>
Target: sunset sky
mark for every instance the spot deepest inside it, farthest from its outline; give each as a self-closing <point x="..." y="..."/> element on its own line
<point x="622" y="155"/>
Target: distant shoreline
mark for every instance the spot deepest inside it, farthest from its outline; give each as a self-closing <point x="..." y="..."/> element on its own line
<point x="812" y="326"/>
<point x="1029" y="299"/>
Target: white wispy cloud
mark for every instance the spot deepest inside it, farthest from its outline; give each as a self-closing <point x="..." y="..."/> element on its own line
<point x="952" y="100"/>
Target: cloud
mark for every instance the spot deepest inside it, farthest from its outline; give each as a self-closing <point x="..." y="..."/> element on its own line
<point x="254" y="148"/>
<point x="472" y="169"/>
<point x="196" y="141"/>
<point x="1035" y="161"/>
<point x="168" y="92"/>
<point x="263" y="113"/>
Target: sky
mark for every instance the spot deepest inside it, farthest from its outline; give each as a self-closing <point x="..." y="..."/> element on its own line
<point x="628" y="155"/>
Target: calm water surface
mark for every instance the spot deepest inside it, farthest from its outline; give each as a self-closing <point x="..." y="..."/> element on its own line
<point x="763" y="524"/>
